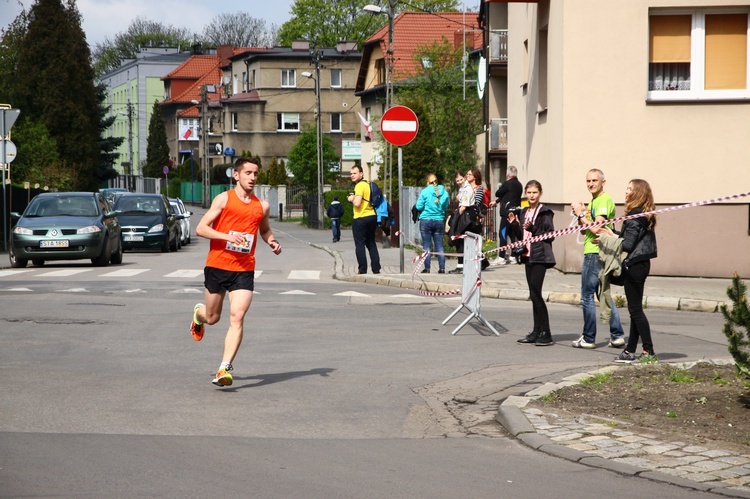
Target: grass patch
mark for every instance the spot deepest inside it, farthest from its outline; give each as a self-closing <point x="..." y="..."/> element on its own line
<point x="648" y="359"/>
<point x="597" y="379"/>
<point x="671" y="414"/>
<point x="681" y="376"/>
<point x="718" y="380"/>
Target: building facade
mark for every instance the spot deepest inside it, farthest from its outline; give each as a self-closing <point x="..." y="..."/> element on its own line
<point x="640" y="89"/>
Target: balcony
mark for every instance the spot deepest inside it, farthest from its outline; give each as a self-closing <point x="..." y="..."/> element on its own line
<point x="498" y="134"/>
<point x="499" y="46"/>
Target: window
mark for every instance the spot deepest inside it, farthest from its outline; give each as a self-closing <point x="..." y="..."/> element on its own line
<point x="698" y="55"/>
<point x="380" y="72"/>
<point x="288" y="77"/>
<point x="244" y="81"/>
<point x="235" y="85"/>
<point x="543" y="54"/>
<point x="188" y="129"/>
<point x="234" y="122"/>
<point x="335" y="122"/>
<point x="287" y="122"/>
<point x="336" y="78"/>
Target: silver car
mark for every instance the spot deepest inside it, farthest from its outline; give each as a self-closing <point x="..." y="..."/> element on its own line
<point x="179" y="207"/>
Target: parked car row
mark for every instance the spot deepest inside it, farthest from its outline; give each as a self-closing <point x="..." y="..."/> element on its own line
<point x="85" y="225"/>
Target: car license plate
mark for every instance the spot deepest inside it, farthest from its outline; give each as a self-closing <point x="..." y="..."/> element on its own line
<point x="129" y="238"/>
<point x="54" y="243"/>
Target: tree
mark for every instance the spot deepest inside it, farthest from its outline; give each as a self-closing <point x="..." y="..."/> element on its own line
<point x="61" y="94"/>
<point x="108" y="55"/>
<point x="36" y="151"/>
<point x="420" y="155"/>
<point x="239" y="30"/>
<point x="277" y="172"/>
<point x="737" y="325"/>
<point x="303" y="158"/>
<point x="107" y="143"/>
<point x="326" y="22"/>
<point x="455" y="121"/>
<point x="10" y="43"/>
<point x="157" y="149"/>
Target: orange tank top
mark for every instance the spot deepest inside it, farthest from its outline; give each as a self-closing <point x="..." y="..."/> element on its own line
<point x="236" y="217"/>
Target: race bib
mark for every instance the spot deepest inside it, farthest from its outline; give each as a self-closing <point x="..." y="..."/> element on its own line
<point x="245" y="247"/>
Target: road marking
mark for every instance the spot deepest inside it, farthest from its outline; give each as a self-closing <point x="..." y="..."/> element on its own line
<point x="187" y="273"/>
<point x="304" y="274"/>
<point x="409" y="296"/>
<point x="5" y="273"/>
<point x="63" y="273"/>
<point x="74" y="290"/>
<point x="125" y="273"/>
<point x="16" y="289"/>
<point x="296" y="292"/>
<point x="351" y="293"/>
<point x="188" y="291"/>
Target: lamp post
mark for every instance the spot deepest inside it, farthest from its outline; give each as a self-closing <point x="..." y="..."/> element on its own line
<point x="205" y="90"/>
<point x="319" y="138"/>
<point x="389" y="11"/>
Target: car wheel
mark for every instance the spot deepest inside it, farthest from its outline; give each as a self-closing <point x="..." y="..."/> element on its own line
<point x="187" y="241"/>
<point x="174" y="246"/>
<point x="165" y="244"/>
<point x="16" y="263"/>
<point x="103" y="259"/>
<point x="117" y="255"/>
<point x="37" y="262"/>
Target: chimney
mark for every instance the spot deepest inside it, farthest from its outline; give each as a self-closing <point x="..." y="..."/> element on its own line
<point x="224" y="52"/>
<point x="343" y="47"/>
<point x="300" y="45"/>
<point x="458" y="39"/>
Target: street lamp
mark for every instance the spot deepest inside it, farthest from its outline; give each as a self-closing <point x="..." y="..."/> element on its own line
<point x="319" y="141"/>
<point x="387" y="10"/>
<point x="205" y="90"/>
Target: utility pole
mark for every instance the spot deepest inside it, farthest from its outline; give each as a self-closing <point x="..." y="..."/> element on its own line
<point x="321" y="177"/>
<point x="389" y="63"/>
<point x="130" y="143"/>
<point x="204" y="152"/>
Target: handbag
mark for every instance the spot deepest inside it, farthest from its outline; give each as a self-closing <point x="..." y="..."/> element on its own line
<point x="522" y="250"/>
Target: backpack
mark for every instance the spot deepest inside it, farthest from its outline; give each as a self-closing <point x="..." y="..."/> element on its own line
<point x="486" y="199"/>
<point x="376" y="195"/>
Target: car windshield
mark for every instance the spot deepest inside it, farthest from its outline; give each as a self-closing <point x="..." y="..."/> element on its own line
<point x="73" y="206"/>
<point x="134" y="204"/>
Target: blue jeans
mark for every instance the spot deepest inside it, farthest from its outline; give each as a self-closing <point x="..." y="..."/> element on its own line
<point x="589" y="285"/>
<point x="336" y="228"/>
<point x="432" y="237"/>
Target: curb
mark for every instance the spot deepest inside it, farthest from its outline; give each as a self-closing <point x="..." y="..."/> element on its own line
<point x="515" y="422"/>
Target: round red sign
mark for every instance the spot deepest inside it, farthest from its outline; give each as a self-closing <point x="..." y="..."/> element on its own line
<point x="399" y="125"/>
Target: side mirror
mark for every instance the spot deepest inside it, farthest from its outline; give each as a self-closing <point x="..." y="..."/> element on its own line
<point x="15" y="215"/>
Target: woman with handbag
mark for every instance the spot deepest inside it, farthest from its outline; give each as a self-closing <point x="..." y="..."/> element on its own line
<point x="432" y="203"/>
<point x="639" y="242"/>
<point x="474" y="178"/>
<point x="536" y="220"/>
<point x="460" y="219"/>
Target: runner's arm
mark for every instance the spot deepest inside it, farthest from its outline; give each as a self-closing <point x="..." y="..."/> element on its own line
<point x="265" y="230"/>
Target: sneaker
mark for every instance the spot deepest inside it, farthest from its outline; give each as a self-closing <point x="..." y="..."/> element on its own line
<point x="425" y="271"/>
<point x="196" y="329"/>
<point x="457" y="270"/>
<point x="499" y="261"/>
<point x="223" y="378"/>
<point x="441" y="271"/>
<point x="625" y="358"/>
<point x="617" y="342"/>
<point x="582" y="343"/>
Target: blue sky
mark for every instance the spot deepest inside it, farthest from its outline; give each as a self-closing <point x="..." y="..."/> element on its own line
<point x="106" y="18"/>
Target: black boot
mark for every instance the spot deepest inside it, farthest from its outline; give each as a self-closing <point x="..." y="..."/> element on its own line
<point x="544" y="339"/>
<point x="530" y="339"/>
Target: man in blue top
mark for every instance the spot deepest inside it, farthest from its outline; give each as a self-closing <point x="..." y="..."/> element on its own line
<point x="600" y="208"/>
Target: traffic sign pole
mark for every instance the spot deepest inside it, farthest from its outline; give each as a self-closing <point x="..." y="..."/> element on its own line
<point x="399" y="126"/>
<point x="7" y="119"/>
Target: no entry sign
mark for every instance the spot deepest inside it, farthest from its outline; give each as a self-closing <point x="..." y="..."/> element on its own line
<point x="399" y="125"/>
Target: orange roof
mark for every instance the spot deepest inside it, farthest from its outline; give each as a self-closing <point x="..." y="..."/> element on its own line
<point x="412" y="30"/>
<point x="194" y="67"/>
<point x="204" y="70"/>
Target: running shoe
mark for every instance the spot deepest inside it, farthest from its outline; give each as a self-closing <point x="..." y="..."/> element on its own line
<point x="196" y="328"/>
<point x="617" y="342"/>
<point x="223" y="378"/>
<point x="582" y="343"/>
<point x="625" y="358"/>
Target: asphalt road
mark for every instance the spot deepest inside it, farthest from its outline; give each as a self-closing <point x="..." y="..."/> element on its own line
<point x="341" y="389"/>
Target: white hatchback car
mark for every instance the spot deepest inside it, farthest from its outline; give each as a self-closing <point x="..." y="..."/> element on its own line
<point x="179" y="207"/>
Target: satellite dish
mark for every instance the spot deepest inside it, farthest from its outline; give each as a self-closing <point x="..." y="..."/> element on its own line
<point x="481" y="76"/>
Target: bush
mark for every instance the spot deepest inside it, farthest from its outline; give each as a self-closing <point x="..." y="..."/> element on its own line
<point x="737" y="325"/>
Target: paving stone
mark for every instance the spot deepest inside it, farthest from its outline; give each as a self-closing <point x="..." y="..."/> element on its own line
<point x="622" y="434"/>
<point x="689" y="469"/>
<point x="582" y="447"/>
<point x="695" y="449"/>
<point x="609" y="453"/>
<point x="734" y="460"/>
<point x="567" y="437"/>
<point x="701" y="477"/>
<point x="692" y="459"/>
<point x="606" y="443"/>
<point x="658" y="449"/>
<point x="594" y="438"/>
<point x="631" y="438"/>
<point x="674" y="453"/>
<point x="738" y="481"/>
<point x="637" y="461"/>
<point x="716" y="453"/>
<point x="711" y="465"/>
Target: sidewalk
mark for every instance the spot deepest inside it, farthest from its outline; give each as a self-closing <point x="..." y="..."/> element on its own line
<point x="583" y="439"/>
<point x="506" y="282"/>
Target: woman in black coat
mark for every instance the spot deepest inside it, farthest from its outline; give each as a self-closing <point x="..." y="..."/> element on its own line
<point x="536" y="220"/>
<point x="639" y="242"/>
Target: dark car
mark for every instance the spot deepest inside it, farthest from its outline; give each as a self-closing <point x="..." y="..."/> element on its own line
<point x="111" y="192"/>
<point x="148" y="221"/>
<point x="66" y="226"/>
